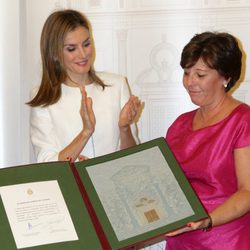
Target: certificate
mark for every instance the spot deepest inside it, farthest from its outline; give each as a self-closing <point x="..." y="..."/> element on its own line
<point x="129" y="198"/>
<point x="139" y="194"/>
<point x="37" y="214"/>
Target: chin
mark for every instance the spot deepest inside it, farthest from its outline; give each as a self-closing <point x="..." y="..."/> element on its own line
<point x="195" y="102"/>
<point x="84" y="70"/>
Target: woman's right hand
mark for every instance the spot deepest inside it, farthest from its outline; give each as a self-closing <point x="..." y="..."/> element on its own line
<point x="87" y="113"/>
<point x="74" y="149"/>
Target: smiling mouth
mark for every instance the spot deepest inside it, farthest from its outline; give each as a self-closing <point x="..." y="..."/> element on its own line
<point x="82" y="63"/>
<point x="192" y="92"/>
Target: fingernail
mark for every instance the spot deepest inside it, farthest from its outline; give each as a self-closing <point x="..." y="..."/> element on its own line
<point x="68" y="159"/>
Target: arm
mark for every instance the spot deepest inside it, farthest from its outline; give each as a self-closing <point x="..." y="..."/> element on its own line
<point x="73" y="150"/>
<point x="47" y="146"/>
<point x="128" y="115"/>
<point x="238" y="204"/>
<point x="44" y="141"/>
<point x="131" y="106"/>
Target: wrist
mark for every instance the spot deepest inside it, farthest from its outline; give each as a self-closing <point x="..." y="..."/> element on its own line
<point x="209" y="225"/>
<point x="124" y="128"/>
<point x="86" y="133"/>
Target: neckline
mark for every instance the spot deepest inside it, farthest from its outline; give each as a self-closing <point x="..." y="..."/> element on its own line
<point x="76" y="87"/>
<point x="217" y="123"/>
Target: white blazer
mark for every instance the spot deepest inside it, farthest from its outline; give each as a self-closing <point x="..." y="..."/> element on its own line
<point x="52" y="128"/>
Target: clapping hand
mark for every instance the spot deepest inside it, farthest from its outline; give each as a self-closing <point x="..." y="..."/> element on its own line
<point x="87" y="113"/>
<point x="129" y="112"/>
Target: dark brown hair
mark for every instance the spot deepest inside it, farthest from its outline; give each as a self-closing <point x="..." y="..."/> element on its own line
<point x="219" y="51"/>
<point x="56" y="27"/>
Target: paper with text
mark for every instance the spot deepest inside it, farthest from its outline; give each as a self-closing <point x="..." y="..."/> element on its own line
<point x="37" y="214"/>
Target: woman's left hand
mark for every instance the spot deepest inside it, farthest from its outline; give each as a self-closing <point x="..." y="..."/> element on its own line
<point x="129" y="112"/>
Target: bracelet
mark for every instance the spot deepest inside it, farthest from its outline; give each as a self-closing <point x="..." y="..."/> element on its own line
<point x="209" y="226"/>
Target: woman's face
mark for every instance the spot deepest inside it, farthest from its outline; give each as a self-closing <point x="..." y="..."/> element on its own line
<point x="77" y="53"/>
<point x="204" y="85"/>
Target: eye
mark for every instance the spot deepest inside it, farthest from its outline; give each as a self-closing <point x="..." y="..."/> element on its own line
<point x="86" y="44"/>
<point x="200" y="75"/>
<point x="70" y="49"/>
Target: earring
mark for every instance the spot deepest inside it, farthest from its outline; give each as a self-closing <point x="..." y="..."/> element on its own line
<point x="225" y="85"/>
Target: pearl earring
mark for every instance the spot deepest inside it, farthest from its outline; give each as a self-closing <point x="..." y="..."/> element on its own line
<point x="225" y="85"/>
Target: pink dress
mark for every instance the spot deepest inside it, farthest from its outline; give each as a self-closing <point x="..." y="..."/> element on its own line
<point x="206" y="157"/>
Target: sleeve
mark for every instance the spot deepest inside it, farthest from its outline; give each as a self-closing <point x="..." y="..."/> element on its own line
<point x="43" y="139"/>
<point x="125" y="94"/>
<point x="243" y="132"/>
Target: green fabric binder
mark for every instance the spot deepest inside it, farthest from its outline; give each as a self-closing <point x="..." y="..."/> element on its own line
<point x="128" y="198"/>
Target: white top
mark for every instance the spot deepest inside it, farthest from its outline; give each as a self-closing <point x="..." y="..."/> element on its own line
<point x="52" y="128"/>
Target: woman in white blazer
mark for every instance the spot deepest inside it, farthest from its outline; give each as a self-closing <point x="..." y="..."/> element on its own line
<point x="77" y="113"/>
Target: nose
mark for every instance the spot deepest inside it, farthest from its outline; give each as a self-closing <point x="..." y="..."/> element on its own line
<point x="185" y="80"/>
<point x="82" y="52"/>
<point x="188" y="79"/>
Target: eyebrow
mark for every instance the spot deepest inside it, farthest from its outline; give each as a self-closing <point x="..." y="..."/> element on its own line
<point x="73" y="44"/>
<point x="195" y="69"/>
<point x="202" y="69"/>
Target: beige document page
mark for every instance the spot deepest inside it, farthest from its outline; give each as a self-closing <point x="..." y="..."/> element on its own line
<point x="37" y="214"/>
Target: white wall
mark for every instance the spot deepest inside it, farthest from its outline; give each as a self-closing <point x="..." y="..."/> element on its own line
<point x="11" y="147"/>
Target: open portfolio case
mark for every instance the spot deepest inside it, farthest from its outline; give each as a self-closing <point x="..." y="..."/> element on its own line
<point x="129" y="198"/>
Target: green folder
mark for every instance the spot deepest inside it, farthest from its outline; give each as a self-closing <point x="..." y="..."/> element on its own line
<point x="130" y="198"/>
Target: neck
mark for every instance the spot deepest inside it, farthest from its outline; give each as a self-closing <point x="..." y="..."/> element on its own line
<point x="211" y="109"/>
<point x="206" y="116"/>
<point x="78" y="82"/>
<point x="208" y="112"/>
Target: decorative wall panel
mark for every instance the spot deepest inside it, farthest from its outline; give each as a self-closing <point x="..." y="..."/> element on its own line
<point x="143" y="40"/>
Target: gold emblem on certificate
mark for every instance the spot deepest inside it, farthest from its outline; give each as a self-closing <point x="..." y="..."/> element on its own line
<point x="29" y="191"/>
<point x="147" y="210"/>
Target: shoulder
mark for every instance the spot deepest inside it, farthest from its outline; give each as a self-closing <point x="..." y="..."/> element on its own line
<point x="186" y="116"/>
<point x="182" y="124"/>
<point x="111" y="78"/>
<point x="242" y="111"/>
<point x="116" y="86"/>
<point x="182" y="121"/>
<point x="239" y="120"/>
<point x="241" y="116"/>
<point x="244" y="108"/>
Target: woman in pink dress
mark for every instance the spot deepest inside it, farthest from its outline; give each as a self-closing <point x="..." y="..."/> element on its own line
<point x="212" y="145"/>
